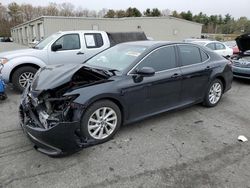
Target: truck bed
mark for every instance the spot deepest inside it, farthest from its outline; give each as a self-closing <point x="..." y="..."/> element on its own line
<point x="120" y="37"/>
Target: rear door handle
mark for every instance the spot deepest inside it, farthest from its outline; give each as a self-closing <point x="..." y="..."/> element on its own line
<point x="175" y="75"/>
<point x="79" y="53"/>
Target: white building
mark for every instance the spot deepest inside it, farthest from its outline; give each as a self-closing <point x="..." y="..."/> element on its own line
<point x="158" y="28"/>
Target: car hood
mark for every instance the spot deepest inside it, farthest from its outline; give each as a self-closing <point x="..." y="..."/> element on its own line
<point x="243" y="42"/>
<point x="17" y="53"/>
<point x="53" y="76"/>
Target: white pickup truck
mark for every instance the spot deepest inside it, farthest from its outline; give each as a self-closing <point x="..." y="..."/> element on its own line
<point x="64" y="47"/>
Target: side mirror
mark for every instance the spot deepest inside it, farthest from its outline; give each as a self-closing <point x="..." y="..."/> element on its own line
<point x="146" y="71"/>
<point x="56" y="47"/>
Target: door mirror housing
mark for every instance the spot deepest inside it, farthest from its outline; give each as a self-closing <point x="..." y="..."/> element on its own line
<point x="146" y="71"/>
<point x="56" y="47"/>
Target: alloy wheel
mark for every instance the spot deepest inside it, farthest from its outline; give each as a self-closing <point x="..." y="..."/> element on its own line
<point x="25" y="78"/>
<point x="215" y="93"/>
<point x="102" y="123"/>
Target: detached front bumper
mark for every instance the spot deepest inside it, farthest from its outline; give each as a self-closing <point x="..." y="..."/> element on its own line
<point x="61" y="139"/>
<point x="241" y="72"/>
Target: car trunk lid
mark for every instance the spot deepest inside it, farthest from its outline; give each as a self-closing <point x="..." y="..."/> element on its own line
<point x="243" y="42"/>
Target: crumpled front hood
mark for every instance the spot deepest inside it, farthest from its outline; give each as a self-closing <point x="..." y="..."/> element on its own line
<point x="53" y="76"/>
<point x="243" y="42"/>
<point x="17" y="53"/>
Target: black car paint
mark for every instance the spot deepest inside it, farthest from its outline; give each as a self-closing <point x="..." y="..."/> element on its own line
<point x="137" y="100"/>
<point x="243" y="42"/>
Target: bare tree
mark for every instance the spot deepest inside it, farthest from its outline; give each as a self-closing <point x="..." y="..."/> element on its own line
<point x="102" y="12"/>
<point x="92" y="13"/>
<point x="66" y="9"/>
<point x="166" y="12"/>
<point x="27" y="12"/>
<point x="52" y="10"/>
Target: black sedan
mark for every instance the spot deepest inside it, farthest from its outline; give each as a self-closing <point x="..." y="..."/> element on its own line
<point x="68" y="107"/>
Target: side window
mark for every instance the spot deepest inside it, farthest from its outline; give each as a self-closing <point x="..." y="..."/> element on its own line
<point x="189" y="55"/>
<point x="219" y="46"/>
<point x="211" y="46"/>
<point x="204" y="56"/>
<point x="93" y="40"/>
<point x="161" y="59"/>
<point x="69" y="42"/>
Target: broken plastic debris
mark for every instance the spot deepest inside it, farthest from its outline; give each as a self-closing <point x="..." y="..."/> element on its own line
<point x="242" y="138"/>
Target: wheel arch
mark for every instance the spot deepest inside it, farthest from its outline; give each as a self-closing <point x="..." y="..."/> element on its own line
<point x="115" y="101"/>
<point x="222" y="79"/>
<point x="22" y="65"/>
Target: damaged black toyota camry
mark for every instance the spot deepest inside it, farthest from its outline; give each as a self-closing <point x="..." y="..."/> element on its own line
<point x="69" y="107"/>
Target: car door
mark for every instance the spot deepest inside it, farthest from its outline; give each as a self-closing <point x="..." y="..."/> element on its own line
<point x="71" y="50"/>
<point x="195" y="72"/>
<point x="93" y="44"/>
<point x="161" y="91"/>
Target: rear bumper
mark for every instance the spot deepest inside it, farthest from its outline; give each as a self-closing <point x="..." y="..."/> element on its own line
<point x="240" y="72"/>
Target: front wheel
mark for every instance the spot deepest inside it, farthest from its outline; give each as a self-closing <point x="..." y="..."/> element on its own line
<point x="22" y="77"/>
<point x="101" y="121"/>
<point x="214" y="93"/>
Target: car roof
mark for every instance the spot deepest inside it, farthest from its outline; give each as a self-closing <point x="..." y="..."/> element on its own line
<point x="80" y="31"/>
<point x="205" y="41"/>
<point x="150" y="43"/>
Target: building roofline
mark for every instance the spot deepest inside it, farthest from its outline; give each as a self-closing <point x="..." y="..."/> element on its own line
<point x="24" y="23"/>
<point x="116" y="19"/>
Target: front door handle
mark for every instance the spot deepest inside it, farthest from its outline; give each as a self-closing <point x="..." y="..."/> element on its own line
<point x="175" y="75"/>
<point x="79" y="53"/>
<point x="207" y="68"/>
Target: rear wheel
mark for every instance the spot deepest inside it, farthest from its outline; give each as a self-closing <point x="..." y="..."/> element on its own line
<point x="101" y="121"/>
<point x="22" y="77"/>
<point x="214" y="93"/>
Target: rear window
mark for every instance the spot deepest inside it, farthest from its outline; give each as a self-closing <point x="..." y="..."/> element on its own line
<point x="211" y="46"/>
<point x="190" y="55"/>
<point x="204" y="56"/>
<point x="93" y="40"/>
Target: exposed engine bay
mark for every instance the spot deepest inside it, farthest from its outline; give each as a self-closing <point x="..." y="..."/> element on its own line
<point x="241" y="60"/>
<point x="51" y="106"/>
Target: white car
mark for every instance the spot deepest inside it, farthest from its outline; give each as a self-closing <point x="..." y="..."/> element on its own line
<point x="64" y="47"/>
<point x="216" y="46"/>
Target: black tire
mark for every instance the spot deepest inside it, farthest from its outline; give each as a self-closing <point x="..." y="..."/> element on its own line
<point x="3" y="96"/>
<point x="206" y="101"/>
<point x="90" y="111"/>
<point x="16" y="76"/>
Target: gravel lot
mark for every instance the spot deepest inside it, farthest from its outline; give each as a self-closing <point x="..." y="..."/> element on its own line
<point x="194" y="147"/>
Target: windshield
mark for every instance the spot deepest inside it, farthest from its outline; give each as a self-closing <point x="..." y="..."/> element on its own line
<point x="46" y="41"/>
<point x="118" y="57"/>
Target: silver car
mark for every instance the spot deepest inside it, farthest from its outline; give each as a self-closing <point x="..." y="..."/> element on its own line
<point x="241" y="62"/>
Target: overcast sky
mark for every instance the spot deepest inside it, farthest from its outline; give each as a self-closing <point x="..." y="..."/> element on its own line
<point x="235" y="8"/>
